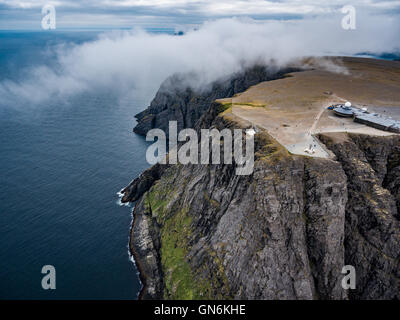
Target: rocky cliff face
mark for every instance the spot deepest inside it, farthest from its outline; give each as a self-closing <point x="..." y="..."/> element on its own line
<point x="284" y="232"/>
<point x="372" y="226"/>
<point x="176" y="102"/>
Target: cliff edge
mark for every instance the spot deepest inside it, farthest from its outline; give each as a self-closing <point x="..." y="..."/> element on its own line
<point x="283" y="232"/>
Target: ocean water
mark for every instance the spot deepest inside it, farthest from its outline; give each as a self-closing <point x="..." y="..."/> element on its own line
<point x="61" y="165"/>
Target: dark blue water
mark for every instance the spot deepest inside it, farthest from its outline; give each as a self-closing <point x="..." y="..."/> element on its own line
<point x="61" y="165"/>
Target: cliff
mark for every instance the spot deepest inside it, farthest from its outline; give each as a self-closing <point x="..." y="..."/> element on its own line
<point x="372" y="226"/>
<point x="175" y="101"/>
<point x="283" y="232"/>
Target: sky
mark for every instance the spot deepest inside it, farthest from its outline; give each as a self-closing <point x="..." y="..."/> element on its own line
<point x="177" y="14"/>
<point x="220" y="38"/>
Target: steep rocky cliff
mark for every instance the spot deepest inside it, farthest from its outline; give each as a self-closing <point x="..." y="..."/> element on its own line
<point x="283" y="232"/>
<point x="372" y="228"/>
<point x="175" y="101"/>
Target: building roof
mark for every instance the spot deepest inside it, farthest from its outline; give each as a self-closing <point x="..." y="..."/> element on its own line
<point x="344" y="111"/>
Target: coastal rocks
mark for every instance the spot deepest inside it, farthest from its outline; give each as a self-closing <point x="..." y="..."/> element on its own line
<point x="283" y="232"/>
<point x="146" y="245"/>
<point x="140" y="185"/>
<point x="276" y="234"/>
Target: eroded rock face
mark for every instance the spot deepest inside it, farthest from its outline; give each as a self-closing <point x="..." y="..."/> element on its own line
<point x="145" y="243"/>
<point x="372" y="237"/>
<point x="276" y="234"/>
<point x="284" y="232"/>
<point x="176" y="102"/>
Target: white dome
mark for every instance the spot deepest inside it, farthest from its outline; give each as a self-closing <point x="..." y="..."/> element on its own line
<point x="347" y="104"/>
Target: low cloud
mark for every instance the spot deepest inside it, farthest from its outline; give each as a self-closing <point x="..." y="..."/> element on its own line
<point x="136" y="62"/>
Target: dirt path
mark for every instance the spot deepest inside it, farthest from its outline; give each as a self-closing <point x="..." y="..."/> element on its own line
<point x="314" y="125"/>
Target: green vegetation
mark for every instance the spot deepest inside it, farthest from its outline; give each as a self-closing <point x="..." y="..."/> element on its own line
<point x="255" y="105"/>
<point x="181" y="282"/>
<point x="213" y="203"/>
<point x="271" y="151"/>
<point x="224" y="107"/>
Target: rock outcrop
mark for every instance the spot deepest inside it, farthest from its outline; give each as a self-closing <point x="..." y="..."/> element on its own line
<point x="175" y="101"/>
<point x="283" y="232"/>
<point x="372" y="229"/>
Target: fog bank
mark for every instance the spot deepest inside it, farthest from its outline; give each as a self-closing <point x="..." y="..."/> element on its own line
<point x="136" y="62"/>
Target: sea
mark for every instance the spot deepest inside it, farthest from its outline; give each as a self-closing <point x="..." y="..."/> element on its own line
<point x="62" y="164"/>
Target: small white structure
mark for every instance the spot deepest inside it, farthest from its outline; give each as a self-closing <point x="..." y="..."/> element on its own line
<point x="251" y="132"/>
<point x="347" y="104"/>
<point x="310" y="149"/>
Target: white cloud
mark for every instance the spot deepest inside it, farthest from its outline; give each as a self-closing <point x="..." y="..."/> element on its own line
<point x="137" y="62"/>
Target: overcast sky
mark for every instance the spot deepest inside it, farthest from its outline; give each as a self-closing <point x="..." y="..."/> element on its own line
<point x="26" y="14"/>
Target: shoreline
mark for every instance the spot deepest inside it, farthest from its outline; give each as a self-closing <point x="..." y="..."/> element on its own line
<point x="135" y="256"/>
